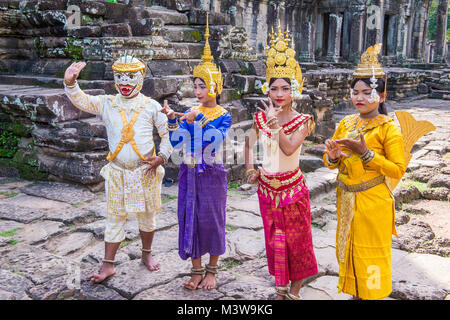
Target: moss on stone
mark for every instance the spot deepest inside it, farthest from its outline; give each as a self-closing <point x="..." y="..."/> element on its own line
<point x="73" y="51"/>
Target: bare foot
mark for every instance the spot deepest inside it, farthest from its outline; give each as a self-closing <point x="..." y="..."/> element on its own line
<point x="209" y="281"/>
<point x="149" y="262"/>
<point x="192" y="284"/>
<point x="280" y="297"/>
<point x="107" y="270"/>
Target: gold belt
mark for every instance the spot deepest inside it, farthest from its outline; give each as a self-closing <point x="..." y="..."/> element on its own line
<point x="132" y="164"/>
<point x="364" y="185"/>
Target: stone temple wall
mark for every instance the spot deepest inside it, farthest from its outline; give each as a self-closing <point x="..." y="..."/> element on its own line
<point x="58" y="141"/>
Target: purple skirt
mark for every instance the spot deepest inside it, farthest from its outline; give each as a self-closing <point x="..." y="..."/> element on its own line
<point x="202" y="197"/>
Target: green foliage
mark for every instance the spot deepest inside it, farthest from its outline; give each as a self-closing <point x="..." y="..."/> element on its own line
<point x="73" y="51"/>
<point x="229" y="263"/>
<point x="421" y="186"/>
<point x="8" y="144"/>
<point x="9" y="233"/>
<point x="432" y="21"/>
<point x="230" y="228"/>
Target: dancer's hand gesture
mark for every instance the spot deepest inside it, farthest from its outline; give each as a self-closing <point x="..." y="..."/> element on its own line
<point x="334" y="150"/>
<point x="356" y="146"/>
<point x="72" y="72"/>
<point x="168" y="111"/>
<point x="270" y="111"/>
<point x="190" y="116"/>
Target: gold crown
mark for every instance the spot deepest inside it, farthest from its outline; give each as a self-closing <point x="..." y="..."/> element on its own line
<point x="128" y="63"/>
<point x="281" y="61"/>
<point x="369" y="64"/>
<point x="207" y="70"/>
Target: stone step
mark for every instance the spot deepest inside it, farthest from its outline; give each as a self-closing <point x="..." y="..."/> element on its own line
<point x="166" y="15"/>
<point x="40" y="104"/>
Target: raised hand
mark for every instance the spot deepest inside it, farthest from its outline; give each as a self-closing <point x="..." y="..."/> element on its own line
<point x="356" y="146"/>
<point x="333" y="150"/>
<point x="168" y="111"/>
<point x="153" y="163"/>
<point x="72" y="72"/>
<point x="270" y="111"/>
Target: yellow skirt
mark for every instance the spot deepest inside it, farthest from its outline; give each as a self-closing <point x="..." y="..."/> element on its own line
<point x="365" y="259"/>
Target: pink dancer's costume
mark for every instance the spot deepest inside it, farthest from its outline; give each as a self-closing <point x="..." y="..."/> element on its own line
<point x="285" y="208"/>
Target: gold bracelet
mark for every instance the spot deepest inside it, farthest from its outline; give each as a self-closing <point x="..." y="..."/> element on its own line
<point x="163" y="156"/>
<point x="70" y="86"/>
<point x="250" y="171"/>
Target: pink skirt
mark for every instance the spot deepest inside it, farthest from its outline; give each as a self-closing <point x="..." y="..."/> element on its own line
<point x="286" y="214"/>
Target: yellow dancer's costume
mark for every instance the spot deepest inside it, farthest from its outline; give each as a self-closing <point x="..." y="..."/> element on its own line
<point x="129" y="123"/>
<point x="365" y="205"/>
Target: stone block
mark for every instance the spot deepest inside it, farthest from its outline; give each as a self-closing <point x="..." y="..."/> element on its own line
<point x="116" y="30"/>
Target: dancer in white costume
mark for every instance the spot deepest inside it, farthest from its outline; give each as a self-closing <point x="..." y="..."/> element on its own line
<point x="134" y="174"/>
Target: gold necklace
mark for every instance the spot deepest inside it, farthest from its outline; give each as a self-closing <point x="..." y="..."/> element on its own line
<point x="354" y="133"/>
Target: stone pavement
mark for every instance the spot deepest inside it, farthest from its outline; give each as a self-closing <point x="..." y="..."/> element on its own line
<point x="51" y="237"/>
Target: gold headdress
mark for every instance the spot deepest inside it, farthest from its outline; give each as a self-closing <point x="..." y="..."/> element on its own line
<point x="281" y="61"/>
<point x="129" y="63"/>
<point x="207" y="70"/>
<point x="369" y="65"/>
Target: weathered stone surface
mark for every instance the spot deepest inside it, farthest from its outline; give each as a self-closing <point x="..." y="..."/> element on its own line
<point x="423" y="174"/>
<point x="248" y="206"/>
<point x="406" y="194"/>
<point x="249" y="287"/>
<point x="419" y="276"/>
<point x="415" y="209"/>
<point x="35" y="264"/>
<point x="68" y="216"/>
<point x="20" y="214"/>
<point x="85" y="31"/>
<point x="15" y="284"/>
<point x="7" y="225"/>
<point x="98" y="254"/>
<point x="97" y="228"/>
<point x="440" y="180"/>
<point x="323" y="288"/>
<point x="413" y="234"/>
<point x="133" y="277"/>
<point x="55" y="289"/>
<point x="244" y="244"/>
<point x="32" y="202"/>
<point x="309" y="163"/>
<point x="147" y="26"/>
<point x="59" y="191"/>
<point x="401" y="218"/>
<point x="435" y="193"/>
<point x="91" y="291"/>
<point x="40" y="231"/>
<point x="175" y="290"/>
<point x="242" y="219"/>
<point x="326" y="260"/>
<point x="42" y="104"/>
<point x="116" y="30"/>
<point x="71" y="243"/>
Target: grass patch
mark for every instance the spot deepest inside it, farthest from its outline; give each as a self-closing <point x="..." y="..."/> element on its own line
<point x="9" y="194"/>
<point x="13" y="242"/>
<point x="124" y="243"/>
<point x="229" y="263"/>
<point x="9" y="233"/>
<point x="230" y="228"/>
<point x="421" y="186"/>
<point x="233" y="186"/>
